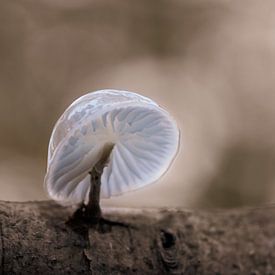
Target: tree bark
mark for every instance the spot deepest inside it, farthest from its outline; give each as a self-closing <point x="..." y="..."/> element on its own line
<point x="36" y="237"/>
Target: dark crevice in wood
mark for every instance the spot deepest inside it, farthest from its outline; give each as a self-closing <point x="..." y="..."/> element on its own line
<point x="168" y="252"/>
<point x="167" y="238"/>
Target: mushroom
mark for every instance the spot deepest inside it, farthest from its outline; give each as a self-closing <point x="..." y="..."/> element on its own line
<point x="106" y="143"/>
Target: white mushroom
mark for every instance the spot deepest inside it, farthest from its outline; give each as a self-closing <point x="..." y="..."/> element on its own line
<point x="122" y="139"/>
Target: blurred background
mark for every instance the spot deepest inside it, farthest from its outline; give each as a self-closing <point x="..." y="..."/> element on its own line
<point x="211" y="63"/>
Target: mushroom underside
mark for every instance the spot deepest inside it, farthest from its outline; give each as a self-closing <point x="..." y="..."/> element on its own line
<point x="131" y="146"/>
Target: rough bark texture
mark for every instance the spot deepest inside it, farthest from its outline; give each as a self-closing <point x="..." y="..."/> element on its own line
<point x="35" y="238"/>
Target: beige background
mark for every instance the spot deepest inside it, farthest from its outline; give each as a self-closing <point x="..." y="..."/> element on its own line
<point x="210" y="63"/>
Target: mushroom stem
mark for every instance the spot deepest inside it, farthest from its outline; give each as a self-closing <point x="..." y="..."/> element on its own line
<point x="93" y="207"/>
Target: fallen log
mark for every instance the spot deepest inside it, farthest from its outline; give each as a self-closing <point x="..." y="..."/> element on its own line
<point x="38" y="237"/>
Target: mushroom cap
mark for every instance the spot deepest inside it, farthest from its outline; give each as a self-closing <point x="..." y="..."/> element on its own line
<point x="142" y="139"/>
